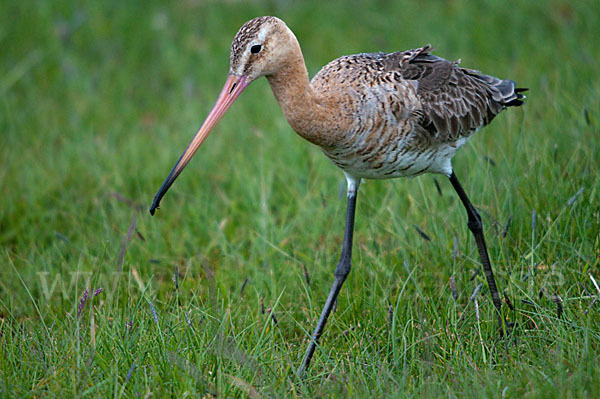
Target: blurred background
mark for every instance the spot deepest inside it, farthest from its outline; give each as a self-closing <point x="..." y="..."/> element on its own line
<point x="103" y="97"/>
<point x="99" y="98"/>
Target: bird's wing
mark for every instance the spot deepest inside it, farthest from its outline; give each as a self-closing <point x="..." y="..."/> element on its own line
<point x="455" y="101"/>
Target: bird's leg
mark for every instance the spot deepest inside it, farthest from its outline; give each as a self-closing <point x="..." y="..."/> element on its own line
<point x="341" y="272"/>
<point x="474" y="223"/>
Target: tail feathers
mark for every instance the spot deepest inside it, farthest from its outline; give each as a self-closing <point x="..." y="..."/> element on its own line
<point x="507" y="94"/>
<point x="511" y="94"/>
<point x="519" y="97"/>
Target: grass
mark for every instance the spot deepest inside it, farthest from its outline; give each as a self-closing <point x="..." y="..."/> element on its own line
<point x="215" y="296"/>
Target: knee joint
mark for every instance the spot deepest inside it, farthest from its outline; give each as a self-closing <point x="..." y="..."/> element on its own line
<point x="343" y="268"/>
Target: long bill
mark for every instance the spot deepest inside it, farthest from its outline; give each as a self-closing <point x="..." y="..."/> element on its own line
<point x="231" y="91"/>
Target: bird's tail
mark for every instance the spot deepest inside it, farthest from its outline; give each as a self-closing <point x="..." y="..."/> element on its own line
<point x="512" y="96"/>
<point x="508" y="94"/>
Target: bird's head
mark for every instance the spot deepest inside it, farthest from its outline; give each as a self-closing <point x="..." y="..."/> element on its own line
<point x="261" y="47"/>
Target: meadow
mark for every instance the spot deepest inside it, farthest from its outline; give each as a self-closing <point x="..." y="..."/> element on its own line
<point x="217" y="294"/>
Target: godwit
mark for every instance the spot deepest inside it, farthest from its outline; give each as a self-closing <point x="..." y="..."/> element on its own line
<point x="376" y="116"/>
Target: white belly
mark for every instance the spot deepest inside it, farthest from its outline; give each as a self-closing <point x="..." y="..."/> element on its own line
<point x="400" y="160"/>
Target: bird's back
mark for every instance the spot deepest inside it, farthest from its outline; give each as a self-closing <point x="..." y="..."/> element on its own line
<point x="407" y="112"/>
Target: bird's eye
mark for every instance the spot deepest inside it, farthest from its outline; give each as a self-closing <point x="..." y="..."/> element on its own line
<point x="255" y="49"/>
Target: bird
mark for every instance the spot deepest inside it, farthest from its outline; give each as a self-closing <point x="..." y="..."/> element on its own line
<point x="374" y="115"/>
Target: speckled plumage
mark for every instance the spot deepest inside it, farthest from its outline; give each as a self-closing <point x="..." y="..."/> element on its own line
<point x="379" y="115"/>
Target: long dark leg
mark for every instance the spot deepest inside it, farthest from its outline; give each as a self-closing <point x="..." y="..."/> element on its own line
<point x="476" y="228"/>
<point x="341" y="272"/>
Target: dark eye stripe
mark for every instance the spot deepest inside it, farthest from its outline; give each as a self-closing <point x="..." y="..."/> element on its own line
<point x="255" y="49"/>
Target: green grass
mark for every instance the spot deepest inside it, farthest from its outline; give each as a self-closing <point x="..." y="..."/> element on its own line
<point x="97" y="101"/>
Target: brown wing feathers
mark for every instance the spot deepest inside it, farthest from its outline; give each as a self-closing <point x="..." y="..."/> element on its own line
<point x="455" y="100"/>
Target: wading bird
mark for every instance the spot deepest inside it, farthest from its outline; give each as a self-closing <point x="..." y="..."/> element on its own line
<point x="376" y="116"/>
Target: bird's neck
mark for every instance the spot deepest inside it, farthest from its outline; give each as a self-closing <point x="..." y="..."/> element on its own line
<point x="304" y="110"/>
